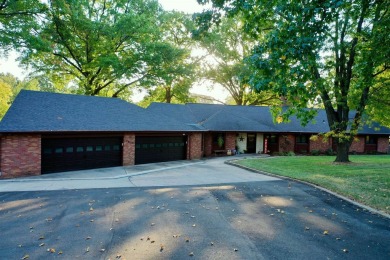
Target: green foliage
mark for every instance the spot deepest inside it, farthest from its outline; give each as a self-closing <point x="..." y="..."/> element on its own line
<point x="174" y="72"/>
<point x="315" y="152"/>
<point x="18" y="19"/>
<point x="5" y="98"/>
<point x="330" y="52"/>
<point x="102" y="47"/>
<point x="177" y="94"/>
<point x="227" y="46"/>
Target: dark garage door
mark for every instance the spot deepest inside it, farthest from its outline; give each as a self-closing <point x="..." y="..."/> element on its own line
<point x="149" y="149"/>
<point x="68" y="154"/>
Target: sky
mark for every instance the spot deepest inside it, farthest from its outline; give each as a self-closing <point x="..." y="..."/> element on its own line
<point x="10" y="65"/>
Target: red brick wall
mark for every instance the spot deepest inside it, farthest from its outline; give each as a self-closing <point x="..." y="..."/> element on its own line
<point x="357" y="144"/>
<point x="286" y="143"/>
<point x="230" y="141"/>
<point x="320" y="144"/>
<point x="383" y="144"/>
<point x="194" y="146"/>
<point x="208" y="144"/>
<point x="128" y="149"/>
<point x="20" y="155"/>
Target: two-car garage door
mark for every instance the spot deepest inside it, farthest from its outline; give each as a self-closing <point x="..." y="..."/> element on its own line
<point x="68" y="154"/>
<point x="149" y="149"/>
<point x="80" y="153"/>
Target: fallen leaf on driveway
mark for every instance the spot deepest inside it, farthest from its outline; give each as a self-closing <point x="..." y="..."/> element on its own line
<point x="345" y="250"/>
<point x="191" y="254"/>
<point x="51" y="250"/>
<point x="326" y="232"/>
<point x="25" y="257"/>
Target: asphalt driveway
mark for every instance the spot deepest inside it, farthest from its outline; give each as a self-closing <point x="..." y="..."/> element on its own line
<point x="256" y="219"/>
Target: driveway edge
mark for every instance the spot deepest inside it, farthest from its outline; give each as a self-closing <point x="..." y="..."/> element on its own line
<point x="365" y="207"/>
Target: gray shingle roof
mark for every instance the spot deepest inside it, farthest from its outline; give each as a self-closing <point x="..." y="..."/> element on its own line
<point x="34" y="111"/>
<point x="216" y="117"/>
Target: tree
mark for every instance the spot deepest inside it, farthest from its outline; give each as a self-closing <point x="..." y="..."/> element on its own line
<point x="227" y="46"/>
<point x="103" y="47"/>
<point x="5" y="98"/>
<point x="378" y="107"/>
<point x="17" y="19"/>
<point x="174" y="72"/>
<point x="326" y="50"/>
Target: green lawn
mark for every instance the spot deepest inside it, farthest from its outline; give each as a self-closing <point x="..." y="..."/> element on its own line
<point x="366" y="179"/>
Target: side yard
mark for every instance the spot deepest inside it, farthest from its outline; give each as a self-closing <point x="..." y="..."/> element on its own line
<point x="366" y="179"/>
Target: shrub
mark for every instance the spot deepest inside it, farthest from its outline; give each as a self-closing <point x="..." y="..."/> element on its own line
<point x="291" y="153"/>
<point x="315" y="152"/>
<point x="329" y="152"/>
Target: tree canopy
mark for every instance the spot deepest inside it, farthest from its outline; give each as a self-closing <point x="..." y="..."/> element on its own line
<point x="18" y="18"/>
<point x="174" y="73"/>
<point x="333" y="52"/>
<point x="227" y="45"/>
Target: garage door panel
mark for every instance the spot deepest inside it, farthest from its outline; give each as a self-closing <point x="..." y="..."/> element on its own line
<point x="67" y="154"/>
<point x="149" y="149"/>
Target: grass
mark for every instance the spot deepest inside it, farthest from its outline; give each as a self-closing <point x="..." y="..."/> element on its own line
<point x="366" y="179"/>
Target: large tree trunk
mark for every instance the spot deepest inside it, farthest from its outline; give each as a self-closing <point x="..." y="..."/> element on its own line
<point x="342" y="155"/>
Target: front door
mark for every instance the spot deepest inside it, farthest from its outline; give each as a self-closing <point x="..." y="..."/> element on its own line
<point x="251" y="143"/>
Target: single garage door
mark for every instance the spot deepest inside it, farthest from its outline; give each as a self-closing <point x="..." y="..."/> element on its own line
<point x="149" y="149"/>
<point x="69" y="154"/>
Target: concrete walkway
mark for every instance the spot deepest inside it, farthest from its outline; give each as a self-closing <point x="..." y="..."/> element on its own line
<point x="176" y="173"/>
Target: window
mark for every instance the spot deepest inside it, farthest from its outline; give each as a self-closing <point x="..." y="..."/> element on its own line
<point x="137" y="146"/>
<point x="371" y="139"/>
<point x="145" y="146"/>
<point x="273" y="139"/>
<point x="151" y="145"/>
<point x="115" y="147"/>
<point x="89" y="148"/>
<point x="107" y="148"/>
<point x="59" y="150"/>
<point x="301" y="139"/>
<point x="99" y="148"/>
<point x="80" y="149"/>
<point x="47" y="151"/>
<point x="69" y="149"/>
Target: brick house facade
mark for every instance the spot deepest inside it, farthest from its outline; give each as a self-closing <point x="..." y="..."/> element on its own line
<point x="20" y="155"/>
<point x="194" y="148"/>
<point x="112" y="132"/>
<point x="128" y="149"/>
